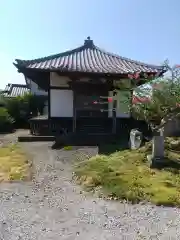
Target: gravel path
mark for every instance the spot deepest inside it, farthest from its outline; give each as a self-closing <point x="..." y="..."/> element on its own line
<point x="53" y="207"/>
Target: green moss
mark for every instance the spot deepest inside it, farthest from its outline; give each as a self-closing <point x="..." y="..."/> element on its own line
<point x="127" y="175"/>
<point x="68" y="148"/>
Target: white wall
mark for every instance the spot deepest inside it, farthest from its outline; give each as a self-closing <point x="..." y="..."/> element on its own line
<point x="61" y="103"/>
<point x="123" y="102"/>
<point x="61" y="100"/>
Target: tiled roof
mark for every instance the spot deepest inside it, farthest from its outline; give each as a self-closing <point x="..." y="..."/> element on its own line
<point x="14" y="90"/>
<point x="88" y="58"/>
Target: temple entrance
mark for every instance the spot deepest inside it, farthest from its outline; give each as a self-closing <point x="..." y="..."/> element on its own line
<point x="90" y="110"/>
<point x="88" y="102"/>
<point x="91" y="106"/>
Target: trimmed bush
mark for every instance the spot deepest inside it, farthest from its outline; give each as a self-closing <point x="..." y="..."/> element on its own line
<point x="24" y="107"/>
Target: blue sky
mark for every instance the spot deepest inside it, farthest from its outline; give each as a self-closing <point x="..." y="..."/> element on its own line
<point x="142" y="30"/>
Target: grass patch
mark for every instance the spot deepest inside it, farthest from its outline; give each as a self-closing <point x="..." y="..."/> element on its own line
<point x="126" y="175"/>
<point x="68" y="148"/>
<point x="14" y="164"/>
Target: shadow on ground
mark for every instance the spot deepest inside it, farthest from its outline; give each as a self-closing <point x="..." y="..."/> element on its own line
<point x="103" y="148"/>
<point x="170" y="165"/>
<point x="108" y="149"/>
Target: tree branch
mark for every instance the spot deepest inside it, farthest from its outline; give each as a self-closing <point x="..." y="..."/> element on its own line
<point x="172" y="115"/>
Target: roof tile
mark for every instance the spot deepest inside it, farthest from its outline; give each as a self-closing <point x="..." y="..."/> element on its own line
<point x="89" y="58"/>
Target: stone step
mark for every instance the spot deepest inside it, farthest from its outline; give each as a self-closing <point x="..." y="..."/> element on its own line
<point x="32" y="138"/>
<point x="92" y="128"/>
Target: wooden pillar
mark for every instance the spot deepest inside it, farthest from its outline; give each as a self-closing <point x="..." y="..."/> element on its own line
<point x="49" y="98"/>
<point x="72" y="84"/>
<point x="74" y="111"/>
<point x="114" y="113"/>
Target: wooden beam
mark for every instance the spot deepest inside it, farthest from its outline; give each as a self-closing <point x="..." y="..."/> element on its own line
<point x="74" y="111"/>
<point x="49" y="100"/>
<point x="114" y="114"/>
<point x="60" y="88"/>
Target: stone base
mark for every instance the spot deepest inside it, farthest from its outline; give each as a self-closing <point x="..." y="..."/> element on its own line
<point x="157" y="162"/>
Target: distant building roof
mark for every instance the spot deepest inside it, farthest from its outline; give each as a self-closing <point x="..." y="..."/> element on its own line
<point x="14" y="90"/>
<point x="88" y="58"/>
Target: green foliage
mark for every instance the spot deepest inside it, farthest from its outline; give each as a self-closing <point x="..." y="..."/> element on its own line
<point x="2" y="100"/>
<point x="6" y="121"/>
<point x="19" y="109"/>
<point x="33" y="103"/>
<point x="13" y="107"/>
<point x="23" y="107"/>
<point x="163" y="104"/>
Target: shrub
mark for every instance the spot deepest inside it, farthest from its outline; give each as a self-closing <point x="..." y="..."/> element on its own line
<point x="35" y="103"/>
<point x="21" y="108"/>
<point x="13" y="107"/>
<point x="6" y="121"/>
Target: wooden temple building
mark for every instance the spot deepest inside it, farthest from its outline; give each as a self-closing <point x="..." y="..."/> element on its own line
<point x="79" y="83"/>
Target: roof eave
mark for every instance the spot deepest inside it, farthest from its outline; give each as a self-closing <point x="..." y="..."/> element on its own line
<point x="23" y="69"/>
<point x="17" y="66"/>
